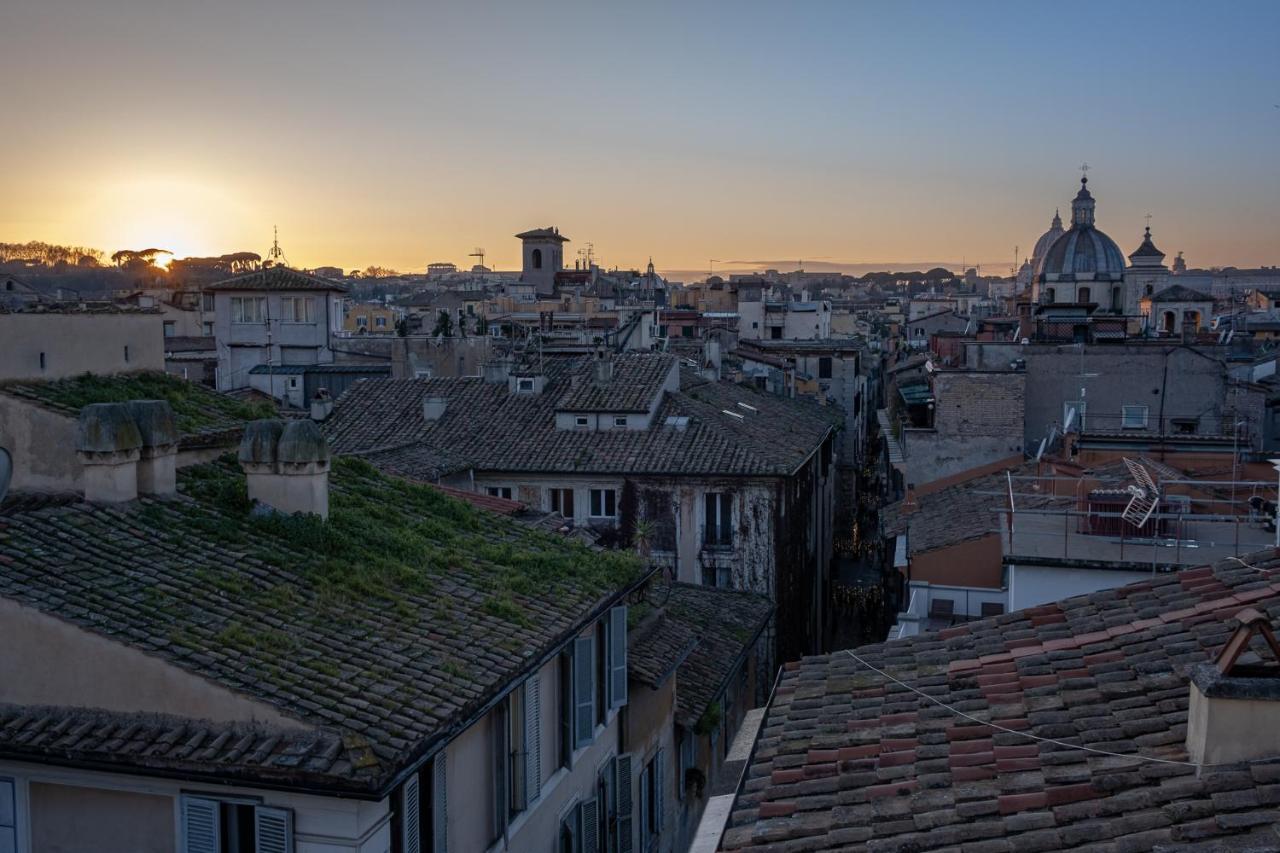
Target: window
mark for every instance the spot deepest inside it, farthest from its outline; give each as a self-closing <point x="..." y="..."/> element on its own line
<point x="824" y="367"/>
<point x="717" y="530"/>
<point x="1185" y="426"/>
<point x="581" y="421"/>
<point x="362" y="320"/>
<point x="604" y="503"/>
<point x="295" y="309"/>
<point x="717" y="576"/>
<point x="535" y="259"/>
<point x="234" y="826"/>
<point x="380" y="322"/>
<point x="170" y="329"/>
<point x="293" y="382"/>
<point x="206" y="301"/>
<point x="126" y="353"/>
<point x="562" y="501"/>
<point x="1053" y="295"/>
<point x="499" y="491"/>
<point x="248" y="309"/>
<point x="514" y="725"/>
<point x="620" y="421"/>
<point x="580" y="828"/>
<point x="775" y="333"/>
<point x="8" y="815"/>
<point x="419" y="823"/>
<point x="652" y="796"/>
<point x="208" y="330"/>
<point x="524" y="384"/>
<point x="1133" y="417"/>
<point x="593" y="680"/>
<point x="1084" y="295"/>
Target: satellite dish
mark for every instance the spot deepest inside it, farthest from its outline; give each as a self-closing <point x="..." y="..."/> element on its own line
<point x="6" y="471"/>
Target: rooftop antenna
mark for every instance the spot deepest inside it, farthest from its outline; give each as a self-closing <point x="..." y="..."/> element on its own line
<point x="1148" y="218"/>
<point x="478" y="253"/>
<point x="1145" y="495"/>
<point x="276" y="255"/>
<point x="711" y="266"/>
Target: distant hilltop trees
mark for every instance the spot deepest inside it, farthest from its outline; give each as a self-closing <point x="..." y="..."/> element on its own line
<point x="39" y="254"/>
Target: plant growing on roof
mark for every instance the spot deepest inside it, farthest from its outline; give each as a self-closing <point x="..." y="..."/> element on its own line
<point x="710" y="719"/>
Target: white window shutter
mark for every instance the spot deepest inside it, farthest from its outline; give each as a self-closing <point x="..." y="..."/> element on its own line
<point x="584" y="690"/>
<point x="659" y="787"/>
<point x="618" y="657"/>
<point x="411" y="815"/>
<point x="533" y="737"/>
<point x="590" y="826"/>
<point x="201" y="831"/>
<point x="273" y="830"/>
<point x="625" y="806"/>
<point x="439" y="804"/>
<point x="8" y="817"/>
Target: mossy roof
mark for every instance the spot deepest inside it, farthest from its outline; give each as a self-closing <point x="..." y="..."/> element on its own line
<point x="387" y="626"/>
<point x="204" y="416"/>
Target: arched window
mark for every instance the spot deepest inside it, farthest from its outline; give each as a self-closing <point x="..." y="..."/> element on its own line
<point x="1115" y="300"/>
<point x="1168" y="321"/>
<point x="1053" y="296"/>
<point x="1084" y="294"/>
<point x="536" y="259"/>
<point x="1150" y="287"/>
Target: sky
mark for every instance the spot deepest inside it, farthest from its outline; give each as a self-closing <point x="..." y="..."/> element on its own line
<point x="889" y="134"/>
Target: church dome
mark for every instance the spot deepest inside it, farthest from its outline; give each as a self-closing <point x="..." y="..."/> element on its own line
<point x="1082" y="250"/>
<point x="1046" y="239"/>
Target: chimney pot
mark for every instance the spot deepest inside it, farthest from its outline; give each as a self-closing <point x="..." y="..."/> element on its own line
<point x="433" y="408"/>
<point x="321" y="405"/>
<point x="1234" y="711"/>
<point x="108" y="444"/>
<point x="158" y="456"/>
<point x="286" y="466"/>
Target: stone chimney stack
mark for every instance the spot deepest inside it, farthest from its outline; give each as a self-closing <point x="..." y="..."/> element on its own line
<point x="108" y="444"/>
<point x="286" y="466"/>
<point x="603" y="364"/>
<point x="1235" y="708"/>
<point x="497" y="370"/>
<point x="321" y="405"/>
<point x="158" y="456"/>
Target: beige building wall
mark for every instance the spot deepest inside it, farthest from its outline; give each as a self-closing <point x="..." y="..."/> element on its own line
<point x="42" y="444"/>
<point x="75" y="343"/>
<point x="75" y="819"/>
<point x="52" y="799"/>
<point x="45" y="661"/>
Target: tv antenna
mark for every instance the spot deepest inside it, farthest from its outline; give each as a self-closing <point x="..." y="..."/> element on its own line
<point x="1144" y="495"/>
<point x="478" y="253"/>
<point x="276" y="255"/>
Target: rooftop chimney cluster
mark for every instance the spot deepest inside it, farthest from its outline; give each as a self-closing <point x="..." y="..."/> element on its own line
<point x="127" y="449"/>
<point x="286" y="466"/>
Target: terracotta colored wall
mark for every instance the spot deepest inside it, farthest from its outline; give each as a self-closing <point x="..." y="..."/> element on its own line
<point x="977" y="562"/>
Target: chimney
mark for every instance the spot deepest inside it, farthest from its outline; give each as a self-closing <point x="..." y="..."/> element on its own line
<point x="711" y="360"/>
<point x="321" y="405"/>
<point x="286" y="466"/>
<point x="603" y="364"/>
<point x="497" y="371"/>
<point x="158" y="456"/>
<point x="433" y="408"/>
<point x="1235" y="708"/>
<point x="108" y="444"/>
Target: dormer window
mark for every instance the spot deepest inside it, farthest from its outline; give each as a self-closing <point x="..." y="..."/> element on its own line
<point x="620" y="421"/>
<point x="524" y="385"/>
<point x="580" y="421"/>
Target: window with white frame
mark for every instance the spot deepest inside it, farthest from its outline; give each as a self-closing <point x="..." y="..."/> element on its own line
<point x="229" y="825"/>
<point x="594" y="681"/>
<point x="1133" y="417"/>
<point x="248" y="309"/>
<point x="604" y="503"/>
<point x="561" y="501"/>
<point x="206" y="302"/>
<point x="580" y="420"/>
<point x="620" y="421"/>
<point x="296" y="309"/>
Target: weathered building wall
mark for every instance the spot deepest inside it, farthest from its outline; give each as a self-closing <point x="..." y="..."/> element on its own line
<point x="58" y="345"/>
<point x="42" y="444"/>
<point x="74" y="819"/>
<point x="977" y="421"/>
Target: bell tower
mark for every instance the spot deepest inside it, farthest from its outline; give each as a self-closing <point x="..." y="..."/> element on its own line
<point x="543" y="254"/>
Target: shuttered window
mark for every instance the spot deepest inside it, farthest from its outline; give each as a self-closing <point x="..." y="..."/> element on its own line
<point x="500" y="763"/>
<point x="717" y="527"/>
<point x="533" y="737"/>
<point x="411" y="815"/>
<point x="617" y="657"/>
<point x="201" y="826"/>
<point x="439" y="804"/>
<point x="273" y="830"/>
<point x="589" y="821"/>
<point x="626" y="810"/>
<point x="584" y="692"/>
<point x="204" y="819"/>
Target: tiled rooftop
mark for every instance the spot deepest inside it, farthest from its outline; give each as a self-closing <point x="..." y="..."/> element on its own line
<point x="849" y="759"/>
<point x="386" y="626"/>
<point x="637" y="379"/>
<point x="204" y="416"/>
<point x="487" y="426"/>
<point x="278" y="278"/>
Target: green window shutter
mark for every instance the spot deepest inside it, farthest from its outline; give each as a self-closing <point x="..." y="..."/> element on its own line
<point x="439" y="804"/>
<point x="201" y="831"/>
<point x="411" y="815"/>
<point x="590" y="823"/>
<point x="273" y="830"/>
<point x="584" y="690"/>
<point x="618" y="657"/>
<point x="533" y="737"/>
<point x="626" y="808"/>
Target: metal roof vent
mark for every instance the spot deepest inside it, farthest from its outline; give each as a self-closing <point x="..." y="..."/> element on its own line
<point x="1235" y="707"/>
